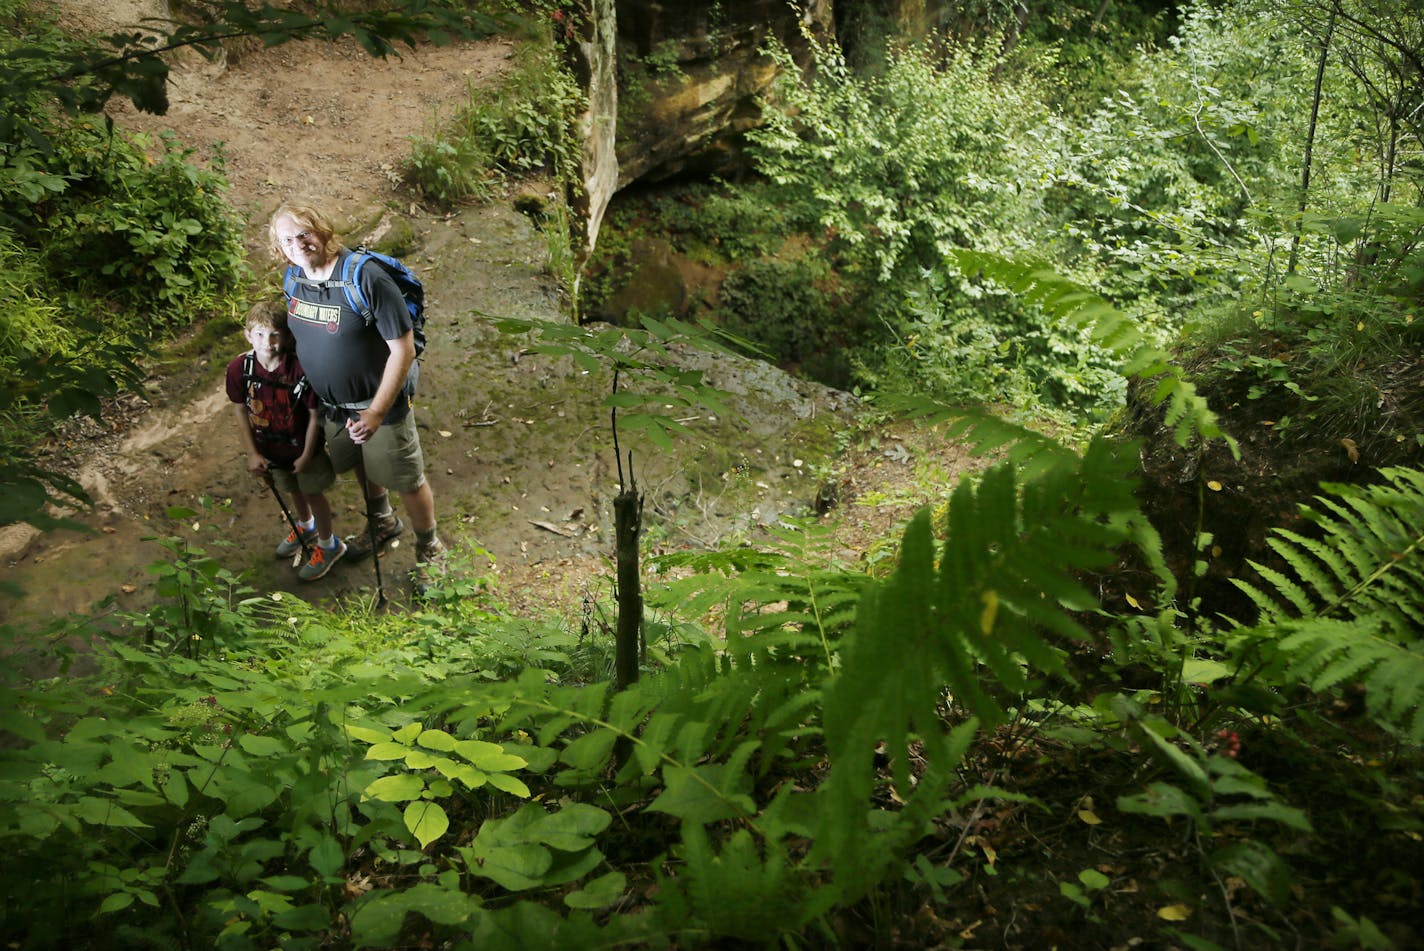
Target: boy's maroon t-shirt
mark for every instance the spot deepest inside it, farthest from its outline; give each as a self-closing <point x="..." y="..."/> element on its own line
<point x="279" y="423"/>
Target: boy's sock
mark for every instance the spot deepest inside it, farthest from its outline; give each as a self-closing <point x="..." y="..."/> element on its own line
<point x="328" y="542"/>
<point x="307" y="524"/>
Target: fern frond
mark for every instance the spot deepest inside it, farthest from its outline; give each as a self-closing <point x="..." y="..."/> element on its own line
<point x="973" y="621"/>
<point x="1352" y="607"/>
<point x="1325" y="654"/>
<point x="1186" y="413"/>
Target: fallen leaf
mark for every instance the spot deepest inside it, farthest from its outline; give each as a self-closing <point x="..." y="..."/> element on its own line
<point x="1133" y="601"/>
<point x="551" y="527"/>
<point x="1174" y="912"/>
<point x="1089" y="817"/>
<point x="128" y="588"/>
<point x="1351" y="449"/>
<point x="1213" y="485"/>
<point x="446" y="433"/>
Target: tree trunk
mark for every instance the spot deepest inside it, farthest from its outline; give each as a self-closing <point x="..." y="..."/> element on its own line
<point x="1310" y="144"/>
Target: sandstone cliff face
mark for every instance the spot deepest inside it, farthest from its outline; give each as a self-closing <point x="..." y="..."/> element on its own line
<point x="674" y="84"/>
<point x="691" y="73"/>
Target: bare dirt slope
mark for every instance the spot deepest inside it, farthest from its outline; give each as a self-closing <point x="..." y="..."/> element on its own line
<point x="518" y="451"/>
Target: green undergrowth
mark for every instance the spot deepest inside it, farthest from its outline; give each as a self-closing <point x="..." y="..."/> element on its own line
<point x="521" y="125"/>
<point x="816" y="754"/>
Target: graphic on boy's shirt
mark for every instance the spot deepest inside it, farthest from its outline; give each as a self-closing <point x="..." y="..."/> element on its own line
<point x="328" y="315"/>
<point x="272" y="412"/>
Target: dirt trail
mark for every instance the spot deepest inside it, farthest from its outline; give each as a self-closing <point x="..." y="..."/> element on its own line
<point x="517" y="450"/>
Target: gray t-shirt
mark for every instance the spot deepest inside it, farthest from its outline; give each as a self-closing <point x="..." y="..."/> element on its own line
<point x="343" y="356"/>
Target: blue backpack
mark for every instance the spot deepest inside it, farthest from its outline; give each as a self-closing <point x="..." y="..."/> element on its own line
<point x="350" y="282"/>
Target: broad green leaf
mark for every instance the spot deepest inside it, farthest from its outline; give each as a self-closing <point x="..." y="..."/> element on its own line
<point x="312" y="917"/>
<point x="437" y="740"/>
<point x="426" y="820"/>
<point x="1092" y="878"/>
<point x="103" y="812"/>
<point x="489" y="756"/>
<point x="517" y="867"/>
<point x="367" y="735"/>
<point x="398" y="788"/>
<point x="1204" y="671"/>
<point x="1171" y="755"/>
<point x="1161" y="799"/>
<point x="175" y="788"/>
<point x="510" y="784"/>
<point x="116" y="902"/>
<point x="387" y="751"/>
<point x="326" y="856"/>
<point x="262" y="745"/>
<point x="573" y="827"/>
<point x="419" y="759"/>
<point x="599" y="893"/>
<point x="1273" y="811"/>
<point x="1258" y="866"/>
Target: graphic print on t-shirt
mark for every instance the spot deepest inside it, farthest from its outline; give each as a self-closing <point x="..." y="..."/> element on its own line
<point x="273" y="416"/>
<point x="328" y="315"/>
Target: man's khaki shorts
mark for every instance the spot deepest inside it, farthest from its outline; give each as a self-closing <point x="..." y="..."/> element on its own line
<point x="392" y="457"/>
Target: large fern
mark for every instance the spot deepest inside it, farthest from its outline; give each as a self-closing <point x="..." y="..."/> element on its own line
<point x="1351" y="607"/>
<point x="972" y="623"/>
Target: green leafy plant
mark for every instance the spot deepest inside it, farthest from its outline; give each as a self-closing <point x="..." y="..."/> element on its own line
<point x="524" y="125"/>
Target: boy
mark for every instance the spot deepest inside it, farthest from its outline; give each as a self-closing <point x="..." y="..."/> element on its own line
<point x="279" y="428"/>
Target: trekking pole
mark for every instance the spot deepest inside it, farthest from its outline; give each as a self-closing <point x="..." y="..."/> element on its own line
<point x="370" y="524"/>
<point x="301" y="539"/>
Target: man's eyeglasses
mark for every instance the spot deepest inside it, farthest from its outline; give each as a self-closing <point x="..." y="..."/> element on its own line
<point x="295" y="239"/>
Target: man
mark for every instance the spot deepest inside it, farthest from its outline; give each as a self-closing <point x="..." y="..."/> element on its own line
<point x="359" y="370"/>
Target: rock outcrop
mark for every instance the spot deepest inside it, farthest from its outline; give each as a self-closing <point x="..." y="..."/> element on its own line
<point x="674" y="85"/>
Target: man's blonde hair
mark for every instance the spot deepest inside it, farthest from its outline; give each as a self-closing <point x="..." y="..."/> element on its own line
<point x="306" y="218"/>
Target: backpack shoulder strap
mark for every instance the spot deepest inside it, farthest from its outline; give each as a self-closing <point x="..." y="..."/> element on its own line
<point x="289" y="280"/>
<point x="351" y="282"/>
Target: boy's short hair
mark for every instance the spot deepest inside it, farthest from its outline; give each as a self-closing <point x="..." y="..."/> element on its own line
<point x="268" y="313"/>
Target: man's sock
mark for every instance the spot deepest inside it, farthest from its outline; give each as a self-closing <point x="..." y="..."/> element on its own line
<point x="380" y="505"/>
<point x="425" y="536"/>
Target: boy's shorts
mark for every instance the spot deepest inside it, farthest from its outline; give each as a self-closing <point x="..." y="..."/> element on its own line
<point x="319" y="476"/>
<point x="393" y="458"/>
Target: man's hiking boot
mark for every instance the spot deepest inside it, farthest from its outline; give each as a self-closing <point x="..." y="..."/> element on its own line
<point x="290" y="545"/>
<point x="388" y="528"/>
<point x="429" y="567"/>
<point x="321" y="561"/>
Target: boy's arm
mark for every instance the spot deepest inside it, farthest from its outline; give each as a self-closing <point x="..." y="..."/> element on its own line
<point x="256" y="462"/>
<point x="313" y="439"/>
